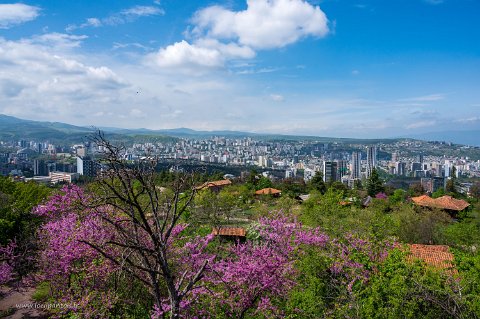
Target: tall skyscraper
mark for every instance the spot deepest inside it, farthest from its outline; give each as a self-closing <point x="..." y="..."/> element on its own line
<point x="329" y="171"/>
<point x="401" y="168"/>
<point x="419" y="158"/>
<point x="86" y="166"/>
<point x="39" y="168"/>
<point x="341" y="169"/>
<point x="371" y="159"/>
<point x="356" y="164"/>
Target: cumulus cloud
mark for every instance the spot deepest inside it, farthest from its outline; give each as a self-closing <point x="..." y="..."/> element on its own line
<point x="220" y="35"/>
<point x="16" y="13"/>
<point x="265" y="24"/>
<point x="36" y="74"/>
<point x="204" y="54"/>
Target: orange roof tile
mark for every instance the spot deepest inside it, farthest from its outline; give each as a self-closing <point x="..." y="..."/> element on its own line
<point x="435" y="255"/>
<point x="223" y="182"/>
<point x="229" y="231"/>
<point x="444" y="202"/>
<point x="268" y="191"/>
<point x="448" y="202"/>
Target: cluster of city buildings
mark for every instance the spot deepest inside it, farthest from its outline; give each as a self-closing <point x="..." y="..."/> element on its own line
<point x="341" y="162"/>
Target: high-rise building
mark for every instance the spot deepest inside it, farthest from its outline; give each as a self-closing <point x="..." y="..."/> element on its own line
<point x="416" y="167"/>
<point x="394" y="157"/>
<point x="356" y="165"/>
<point x="341" y="169"/>
<point x="86" y="166"/>
<point x="431" y="185"/>
<point x="371" y="159"/>
<point x="329" y="171"/>
<point x="39" y="168"/>
<point x="401" y="168"/>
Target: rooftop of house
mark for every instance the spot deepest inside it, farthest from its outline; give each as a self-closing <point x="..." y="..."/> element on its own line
<point x="229" y="231"/>
<point x="223" y="182"/>
<point x="444" y="202"/>
<point x="268" y="191"/>
<point x="435" y="255"/>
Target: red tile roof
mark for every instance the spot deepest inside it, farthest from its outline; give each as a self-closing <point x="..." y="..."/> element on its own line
<point x="223" y="182"/>
<point x="444" y="202"/>
<point x="229" y="231"/>
<point x="268" y="191"/>
<point x="435" y="255"/>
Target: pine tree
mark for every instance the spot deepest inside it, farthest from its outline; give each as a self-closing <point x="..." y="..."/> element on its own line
<point x="374" y="184"/>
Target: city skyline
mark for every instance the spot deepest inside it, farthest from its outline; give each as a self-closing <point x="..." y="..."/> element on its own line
<point x="325" y="68"/>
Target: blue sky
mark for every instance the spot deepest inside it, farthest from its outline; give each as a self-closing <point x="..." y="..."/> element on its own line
<point x="331" y="68"/>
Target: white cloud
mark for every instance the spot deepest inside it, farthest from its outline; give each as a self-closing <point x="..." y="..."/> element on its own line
<point x="434" y="2"/>
<point x="49" y="81"/>
<point x="426" y="98"/>
<point x="258" y="71"/>
<point x="137" y="113"/>
<point x="142" y="11"/>
<point x="183" y="54"/>
<point x="58" y="40"/>
<point x="16" y="13"/>
<point x="469" y="120"/>
<point x="124" y="16"/>
<point x="277" y="97"/>
<point x="421" y="124"/>
<point x="265" y="24"/>
<point x="131" y="14"/>
<point x="94" y="22"/>
<point x="221" y="35"/>
<point x="202" y="55"/>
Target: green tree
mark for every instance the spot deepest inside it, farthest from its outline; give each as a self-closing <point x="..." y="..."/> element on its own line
<point x="398" y="196"/>
<point x="317" y="183"/>
<point x="406" y="289"/>
<point x="214" y="209"/>
<point x="438" y="193"/>
<point x="319" y="207"/>
<point x="416" y="189"/>
<point x="16" y="203"/>
<point x="263" y="182"/>
<point x="475" y="190"/>
<point x="374" y="183"/>
<point x="451" y="185"/>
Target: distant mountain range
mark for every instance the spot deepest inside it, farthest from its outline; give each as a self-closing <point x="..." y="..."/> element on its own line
<point x="15" y="128"/>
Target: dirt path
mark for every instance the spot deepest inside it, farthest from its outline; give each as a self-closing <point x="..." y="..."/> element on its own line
<point x="15" y="303"/>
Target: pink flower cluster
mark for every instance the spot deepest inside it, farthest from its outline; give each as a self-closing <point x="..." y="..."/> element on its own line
<point x="7" y="260"/>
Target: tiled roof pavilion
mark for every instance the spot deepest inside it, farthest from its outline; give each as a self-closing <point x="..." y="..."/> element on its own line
<point x="435" y="255"/>
<point x="268" y="191"/>
<point x="444" y="202"/>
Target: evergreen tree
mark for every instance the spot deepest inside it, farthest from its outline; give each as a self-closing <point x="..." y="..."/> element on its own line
<point x="317" y="183"/>
<point x="450" y="185"/>
<point x="374" y="183"/>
